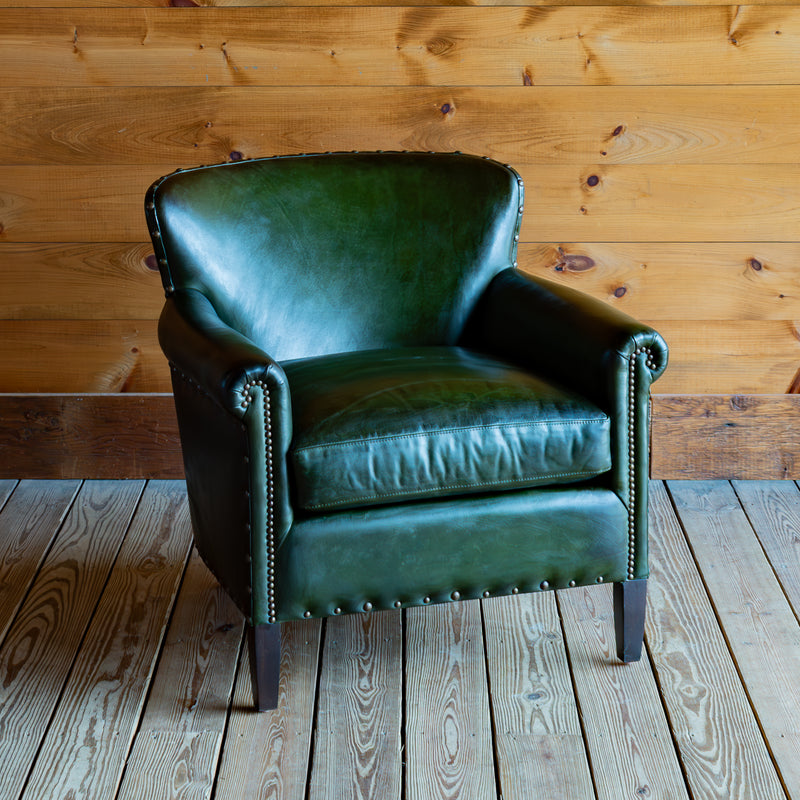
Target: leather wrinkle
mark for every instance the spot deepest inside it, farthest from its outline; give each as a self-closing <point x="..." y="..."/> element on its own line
<point x="368" y="432"/>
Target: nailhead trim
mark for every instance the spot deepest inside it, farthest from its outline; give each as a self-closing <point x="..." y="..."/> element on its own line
<point x="247" y="400"/>
<point x="650" y="363"/>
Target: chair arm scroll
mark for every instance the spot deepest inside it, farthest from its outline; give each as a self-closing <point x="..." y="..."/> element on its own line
<point x="223" y="363"/>
<point x="569" y="336"/>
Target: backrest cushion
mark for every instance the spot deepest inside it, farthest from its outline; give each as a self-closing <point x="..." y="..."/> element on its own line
<point x="309" y="255"/>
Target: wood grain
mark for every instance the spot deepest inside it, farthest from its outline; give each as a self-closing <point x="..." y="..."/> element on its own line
<point x="753" y="437"/>
<point x="773" y="509"/>
<point x="538" y="737"/>
<point x="82" y="356"/>
<point x="400" y="3"/>
<point x="7" y="486"/>
<point x="447" y="715"/>
<point x="29" y="522"/>
<point x="90" y="436"/>
<point x="394" y="46"/>
<point x="92" y="729"/>
<point x="629" y="202"/>
<point x="696" y="281"/>
<point x="136" y="436"/>
<point x="193" y="686"/>
<point x="761" y="630"/>
<point x="357" y="751"/>
<point x="696" y="203"/>
<point x="167" y="765"/>
<point x="627" y="734"/>
<point x="79" y="281"/>
<point x="725" y="281"/>
<point x="745" y="357"/>
<point x="522" y="125"/>
<point x="267" y="755"/>
<point x="723" y="752"/>
<point x="40" y="648"/>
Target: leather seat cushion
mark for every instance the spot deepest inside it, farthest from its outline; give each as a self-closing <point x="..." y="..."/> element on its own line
<point x="386" y="426"/>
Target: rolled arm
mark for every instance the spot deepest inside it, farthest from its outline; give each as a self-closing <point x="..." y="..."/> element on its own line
<point x="235" y="421"/>
<point x="565" y="334"/>
<point x="224" y="363"/>
<point x="583" y="344"/>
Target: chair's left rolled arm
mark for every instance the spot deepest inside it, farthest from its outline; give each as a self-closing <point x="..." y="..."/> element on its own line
<point x="234" y="415"/>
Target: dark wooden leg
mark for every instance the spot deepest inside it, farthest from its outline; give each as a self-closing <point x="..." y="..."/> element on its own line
<point x="264" y="643"/>
<point x="630" y="599"/>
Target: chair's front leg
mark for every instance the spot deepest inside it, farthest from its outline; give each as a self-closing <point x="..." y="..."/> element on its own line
<point x="630" y="600"/>
<point x="264" y="644"/>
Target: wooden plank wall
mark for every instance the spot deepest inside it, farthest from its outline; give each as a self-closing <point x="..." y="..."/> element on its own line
<point x="659" y="144"/>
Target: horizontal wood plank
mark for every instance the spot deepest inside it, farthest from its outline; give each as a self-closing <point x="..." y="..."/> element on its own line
<point x="94" y="356"/>
<point x="90" y="436"/>
<point x="725" y="436"/>
<point x="729" y="357"/>
<point x="398" y="3"/>
<point x="522" y="125"/>
<point x="128" y="435"/>
<point x="725" y="281"/>
<point x="79" y="281"/>
<point x="393" y="46"/>
<point x="687" y="281"/>
<point x="606" y="203"/>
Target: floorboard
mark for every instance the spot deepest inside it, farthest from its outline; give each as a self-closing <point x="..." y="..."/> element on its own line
<point x="124" y="670"/>
<point x="759" y="625"/>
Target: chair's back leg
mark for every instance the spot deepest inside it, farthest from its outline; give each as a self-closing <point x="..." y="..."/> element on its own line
<point x="264" y="644"/>
<point x="630" y="600"/>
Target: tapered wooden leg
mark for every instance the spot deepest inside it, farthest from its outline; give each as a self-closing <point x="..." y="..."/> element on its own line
<point x="630" y="600"/>
<point x="264" y="644"/>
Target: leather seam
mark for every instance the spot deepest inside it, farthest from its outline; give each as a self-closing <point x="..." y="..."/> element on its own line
<point x="426" y="434"/>
<point x="433" y="492"/>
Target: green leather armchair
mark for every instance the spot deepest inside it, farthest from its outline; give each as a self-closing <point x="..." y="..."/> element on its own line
<point x="378" y="410"/>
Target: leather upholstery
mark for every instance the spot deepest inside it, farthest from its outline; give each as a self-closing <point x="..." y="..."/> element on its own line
<point x="382" y="426"/>
<point x="281" y="276"/>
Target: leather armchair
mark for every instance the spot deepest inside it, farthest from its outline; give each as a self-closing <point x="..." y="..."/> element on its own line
<point x="378" y="410"/>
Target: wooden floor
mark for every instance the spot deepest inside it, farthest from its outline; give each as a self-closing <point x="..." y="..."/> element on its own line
<point x="122" y="672"/>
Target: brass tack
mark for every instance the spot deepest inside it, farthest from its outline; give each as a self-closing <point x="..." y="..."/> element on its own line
<point x="544" y="585"/>
<point x="307" y="614"/>
<point x="367" y="606"/>
<point x="515" y="590"/>
<point x="573" y="584"/>
<point x="426" y="599"/>
<point x="397" y="604"/>
<point x="486" y="593"/>
<point x="337" y="610"/>
<point x="455" y="595"/>
<point x="599" y="578"/>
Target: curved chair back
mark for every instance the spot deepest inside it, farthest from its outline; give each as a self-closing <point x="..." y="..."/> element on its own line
<point x="310" y="255"/>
